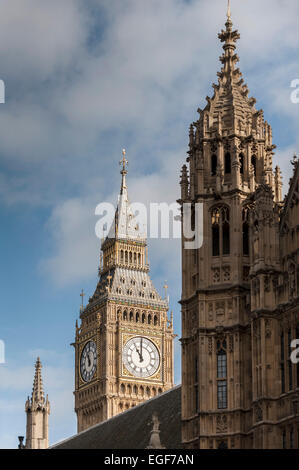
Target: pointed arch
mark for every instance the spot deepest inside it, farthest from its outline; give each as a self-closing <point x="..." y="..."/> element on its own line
<point x="214" y="163"/>
<point x="227" y="164"/>
<point x="245" y="231"/>
<point x="253" y="163"/>
<point x="241" y="159"/>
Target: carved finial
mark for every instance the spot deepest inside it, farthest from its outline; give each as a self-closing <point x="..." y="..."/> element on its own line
<point x="124" y="162"/>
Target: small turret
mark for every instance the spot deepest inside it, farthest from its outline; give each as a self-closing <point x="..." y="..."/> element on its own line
<point x="37" y="409"/>
<point x="184" y="183"/>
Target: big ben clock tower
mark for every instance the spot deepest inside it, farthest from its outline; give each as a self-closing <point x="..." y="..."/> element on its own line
<point x="124" y="345"/>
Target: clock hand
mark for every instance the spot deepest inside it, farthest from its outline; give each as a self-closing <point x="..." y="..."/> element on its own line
<point x="141" y="356"/>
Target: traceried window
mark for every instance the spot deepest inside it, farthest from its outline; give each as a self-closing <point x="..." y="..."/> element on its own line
<point x="227" y="164"/>
<point x="253" y="163"/>
<point x="245" y="231"/>
<point x="282" y="365"/>
<point x="196" y="384"/>
<point x="292" y="438"/>
<point x="241" y="158"/>
<point x="221" y="375"/>
<point x="220" y="231"/>
<point x="213" y="165"/>
<point x="284" y="440"/>
<point x="216" y="232"/>
<point x="289" y="360"/>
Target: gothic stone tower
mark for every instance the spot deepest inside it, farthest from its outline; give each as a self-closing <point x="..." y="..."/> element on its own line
<point x="37" y="410"/>
<point x="230" y="155"/>
<point x="124" y="346"/>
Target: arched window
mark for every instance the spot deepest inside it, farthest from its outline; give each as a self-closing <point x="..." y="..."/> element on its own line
<point x="131" y="257"/>
<point x="137" y="317"/>
<point x="143" y="318"/>
<point x="148" y="392"/>
<point x="227" y="164"/>
<point x="122" y="389"/>
<point x="245" y="232"/>
<point x="129" y="389"/>
<point x="149" y="319"/>
<point x="141" y="391"/>
<point x="125" y="315"/>
<point x="122" y="256"/>
<point x="139" y="258"/>
<point x="253" y="163"/>
<point x="221" y="376"/>
<point x="225" y="231"/>
<point x="220" y="231"/>
<point x="126" y="256"/>
<point x="242" y="163"/>
<point x="196" y="381"/>
<point x="282" y="363"/>
<point x="131" y="316"/>
<point x="216" y="232"/>
<point x="155" y="320"/>
<point x="213" y="165"/>
<point x="154" y="392"/>
<point x="135" y="390"/>
<point x="135" y="258"/>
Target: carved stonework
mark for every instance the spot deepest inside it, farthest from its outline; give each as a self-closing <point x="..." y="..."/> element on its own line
<point x="258" y="413"/>
<point x="221" y="424"/>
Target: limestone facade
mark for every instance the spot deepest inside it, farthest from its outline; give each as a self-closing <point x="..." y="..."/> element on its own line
<point x="240" y="291"/>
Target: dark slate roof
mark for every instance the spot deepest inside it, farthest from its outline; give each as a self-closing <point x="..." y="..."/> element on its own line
<point x="132" y="428"/>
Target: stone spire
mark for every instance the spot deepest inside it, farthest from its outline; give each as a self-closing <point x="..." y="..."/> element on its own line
<point x="230" y="109"/>
<point x="124" y="162"/>
<point x="38" y="390"/>
<point x="37" y="409"/>
<point x="124" y="226"/>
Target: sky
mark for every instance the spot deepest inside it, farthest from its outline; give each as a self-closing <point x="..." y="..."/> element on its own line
<point x="85" y="79"/>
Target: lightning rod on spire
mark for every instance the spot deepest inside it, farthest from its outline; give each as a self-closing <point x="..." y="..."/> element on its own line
<point x="228" y="9"/>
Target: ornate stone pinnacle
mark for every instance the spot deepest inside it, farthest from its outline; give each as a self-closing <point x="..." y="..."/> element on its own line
<point x="38" y="391"/>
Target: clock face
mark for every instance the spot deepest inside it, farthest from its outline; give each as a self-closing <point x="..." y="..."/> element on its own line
<point x="141" y="357"/>
<point x="88" y="361"/>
